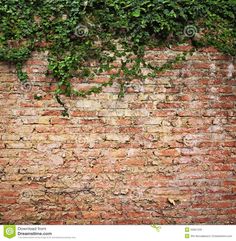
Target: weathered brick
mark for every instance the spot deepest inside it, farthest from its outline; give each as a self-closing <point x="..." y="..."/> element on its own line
<point x="119" y="161"/>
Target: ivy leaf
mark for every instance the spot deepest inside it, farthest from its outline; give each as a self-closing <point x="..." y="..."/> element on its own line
<point x="136" y="13"/>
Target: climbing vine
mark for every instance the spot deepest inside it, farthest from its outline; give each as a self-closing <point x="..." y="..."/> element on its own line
<point x="78" y="32"/>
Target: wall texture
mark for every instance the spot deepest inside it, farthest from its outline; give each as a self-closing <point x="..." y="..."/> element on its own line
<point x="165" y="153"/>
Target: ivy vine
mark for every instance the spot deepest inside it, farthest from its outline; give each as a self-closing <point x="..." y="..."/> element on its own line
<point x="78" y="32"/>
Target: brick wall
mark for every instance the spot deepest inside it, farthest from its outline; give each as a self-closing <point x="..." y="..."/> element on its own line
<point x="165" y="153"/>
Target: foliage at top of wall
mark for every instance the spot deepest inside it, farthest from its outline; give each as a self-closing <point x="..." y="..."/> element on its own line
<point x="80" y="31"/>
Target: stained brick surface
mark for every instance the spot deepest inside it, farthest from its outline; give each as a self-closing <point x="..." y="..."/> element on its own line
<point x="165" y="153"/>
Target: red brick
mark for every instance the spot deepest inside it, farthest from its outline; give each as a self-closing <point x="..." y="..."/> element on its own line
<point x="118" y="161"/>
<point x="169" y="152"/>
<point x="221" y="205"/>
<point x="59" y="121"/>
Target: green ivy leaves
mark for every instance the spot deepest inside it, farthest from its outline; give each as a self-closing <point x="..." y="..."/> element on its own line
<point x="115" y="30"/>
<point x="136" y="13"/>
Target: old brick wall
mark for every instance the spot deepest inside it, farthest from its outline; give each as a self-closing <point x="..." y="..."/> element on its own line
<point x="165" y="153"/>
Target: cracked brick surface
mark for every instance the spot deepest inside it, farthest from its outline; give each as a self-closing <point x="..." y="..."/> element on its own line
<point x="164" y="154"/>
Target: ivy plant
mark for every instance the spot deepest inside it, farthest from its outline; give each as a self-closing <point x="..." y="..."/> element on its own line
<point x="76" y="32"/>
